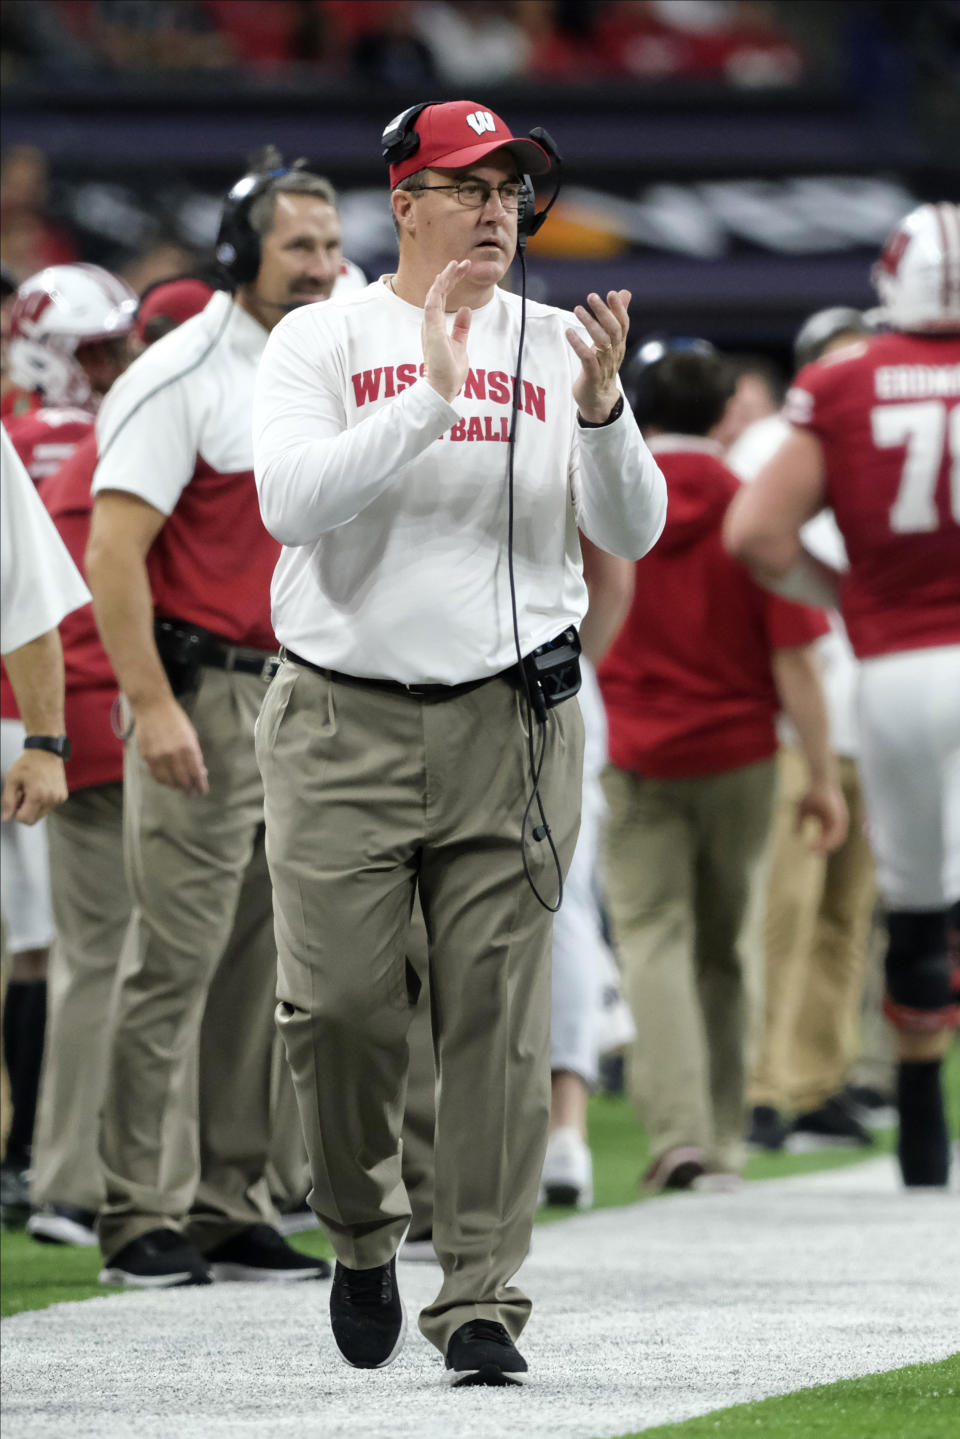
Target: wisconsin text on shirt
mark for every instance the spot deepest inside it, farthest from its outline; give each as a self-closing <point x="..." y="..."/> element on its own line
<point x="386" y="381"/>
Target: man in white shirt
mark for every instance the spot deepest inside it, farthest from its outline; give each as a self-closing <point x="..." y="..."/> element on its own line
<point x="179" y="564"/>
<point x="397" y="742"/>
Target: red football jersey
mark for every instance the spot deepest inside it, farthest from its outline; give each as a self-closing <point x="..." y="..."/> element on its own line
<point x="43" y="439"/>
<point x="688" y="683"/>
<point x="96" y="752"/>
<point x="887" y="415"/>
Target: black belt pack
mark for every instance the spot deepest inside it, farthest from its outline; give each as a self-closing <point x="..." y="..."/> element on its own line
<point x="552" y="671"/>
<point x="186" y="649"/>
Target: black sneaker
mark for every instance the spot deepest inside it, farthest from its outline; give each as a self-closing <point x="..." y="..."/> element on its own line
<point x="482" y="1352"/>
<point x="767" y="1128"/>
<point x="161" y="1259"/>
<point x="63" y="1224"/>
<point x="837" y="1122"/>
<point x="260" y="1253"/>
<point x="367" y="1315"/>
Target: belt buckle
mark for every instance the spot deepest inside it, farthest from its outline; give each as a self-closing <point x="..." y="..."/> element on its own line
<point x="269" y="668"/>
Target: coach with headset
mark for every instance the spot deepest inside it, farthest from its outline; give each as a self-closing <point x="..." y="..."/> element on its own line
<point x="427" y="480"/>
<point x="180" y="566"/>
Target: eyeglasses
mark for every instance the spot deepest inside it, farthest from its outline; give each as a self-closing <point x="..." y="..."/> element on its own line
<point x="474" y="193"/>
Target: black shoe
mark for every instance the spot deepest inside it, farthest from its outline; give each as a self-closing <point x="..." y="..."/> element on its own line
<point x="482" y="1352"/>
<point x="14" y="1195"/>
<point x="63" y="1224"/>
<point x="767" y="1128"/>
<point x="835" y="1122"/>
<point x="161" y="1259"/>
<point x="367" y="1315"/>
<point x="261" y="1253"/>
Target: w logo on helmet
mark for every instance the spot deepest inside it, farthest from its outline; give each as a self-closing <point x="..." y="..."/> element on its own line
<point x="481" y="120"/>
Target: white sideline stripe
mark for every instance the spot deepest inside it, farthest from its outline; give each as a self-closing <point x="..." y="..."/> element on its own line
<point x="643" y="1316"/>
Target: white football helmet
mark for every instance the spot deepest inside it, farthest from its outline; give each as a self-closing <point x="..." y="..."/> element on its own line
<point x="917" y="276"/>
<point x="55" y="312"/>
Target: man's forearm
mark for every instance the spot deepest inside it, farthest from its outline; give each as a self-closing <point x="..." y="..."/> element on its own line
<point x="796" y="673"/>
<point x="36" y="674"/>
<point x="806" y="580"/>
<point x="123" y="606"/>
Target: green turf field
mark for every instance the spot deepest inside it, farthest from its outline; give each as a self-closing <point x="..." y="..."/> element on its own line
<point x="919" y="1402"/>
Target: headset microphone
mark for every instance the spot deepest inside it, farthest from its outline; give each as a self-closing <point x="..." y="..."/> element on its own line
<point x="528" y="221"/>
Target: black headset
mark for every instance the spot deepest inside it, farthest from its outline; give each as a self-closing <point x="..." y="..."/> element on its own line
<point x="238" y="244"/>
<point x="400" y="140"/>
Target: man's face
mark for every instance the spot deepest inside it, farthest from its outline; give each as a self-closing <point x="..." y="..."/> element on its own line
<point x="446" y="230"/>
<point x="300" y="257"/>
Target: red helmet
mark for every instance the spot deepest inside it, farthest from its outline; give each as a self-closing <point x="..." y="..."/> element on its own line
<point x="56" y="312"/>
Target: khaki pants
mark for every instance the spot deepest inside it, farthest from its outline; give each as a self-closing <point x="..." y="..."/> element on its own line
<point x="186" y="1122"/>
<point x="685" y="871"/>
<point x="91" y="905"/>
<point x="420" y="1110"/>
<point x="289" y="1167"/>
<point x="819" y="909"/>
<point x="369" y="794"/>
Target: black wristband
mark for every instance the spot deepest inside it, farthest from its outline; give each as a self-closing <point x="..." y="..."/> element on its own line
<point x="54" y="743"/>
<point x="614" y="415"/>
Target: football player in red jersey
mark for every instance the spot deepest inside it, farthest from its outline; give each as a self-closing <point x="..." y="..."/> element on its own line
<point x="67" y="343"/>
<point x="876" y="436"/>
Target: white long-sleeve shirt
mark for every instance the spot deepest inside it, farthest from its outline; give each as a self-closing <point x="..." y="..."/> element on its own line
<point x="392" y="504"/>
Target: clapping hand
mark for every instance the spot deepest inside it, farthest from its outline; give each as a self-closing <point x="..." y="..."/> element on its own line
<point x="595" y="389"/>
<point x="445" y="355"/>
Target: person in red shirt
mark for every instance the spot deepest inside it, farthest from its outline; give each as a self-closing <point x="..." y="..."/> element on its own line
<point x="876" y="436"/>
<point x="91" y="901"/>
<point x="67" y="338"/>
<point x="692" y="686"/>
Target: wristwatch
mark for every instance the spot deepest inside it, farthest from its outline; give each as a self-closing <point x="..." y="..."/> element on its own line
<point x="613" y="416"/>
<point x="55" y="743"/>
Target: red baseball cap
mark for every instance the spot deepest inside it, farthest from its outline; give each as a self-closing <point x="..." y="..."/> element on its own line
<point x="460" y="133"/>
<point x="176" y="300"/>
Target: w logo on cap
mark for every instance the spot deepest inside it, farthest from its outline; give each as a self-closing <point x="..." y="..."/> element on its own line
<point x="481" y="120"/>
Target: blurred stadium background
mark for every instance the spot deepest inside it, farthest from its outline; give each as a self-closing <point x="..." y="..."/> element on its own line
<point x="735" y="163"/>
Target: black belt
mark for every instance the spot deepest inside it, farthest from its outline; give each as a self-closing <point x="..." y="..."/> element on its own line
<point x="189" y="647"/>
<point x="424" y="692"/>
<point x="244" y="661"/>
